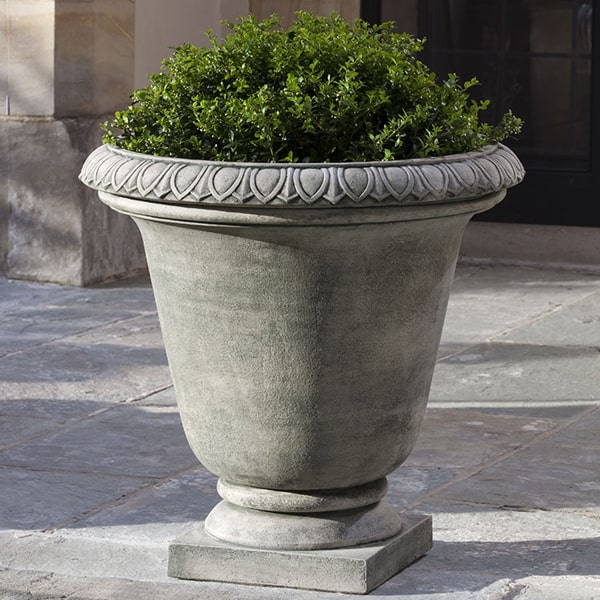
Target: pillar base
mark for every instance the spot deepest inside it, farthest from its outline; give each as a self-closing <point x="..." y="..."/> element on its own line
<point x="356" y="570"/>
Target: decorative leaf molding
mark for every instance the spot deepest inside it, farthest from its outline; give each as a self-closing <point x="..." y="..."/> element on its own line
<point x="153" y="178"/>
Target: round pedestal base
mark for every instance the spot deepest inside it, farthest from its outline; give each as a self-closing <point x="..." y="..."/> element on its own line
<point x="309" y="531"/>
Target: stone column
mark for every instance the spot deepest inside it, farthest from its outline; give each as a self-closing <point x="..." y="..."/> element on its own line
<point x="65" y="67"/>
<point x="67" y="64"/>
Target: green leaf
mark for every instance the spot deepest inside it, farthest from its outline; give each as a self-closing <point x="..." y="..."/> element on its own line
<point x="322" y="90"/>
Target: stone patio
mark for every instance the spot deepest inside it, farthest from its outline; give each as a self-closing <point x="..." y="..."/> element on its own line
<point x="96" y="476"/>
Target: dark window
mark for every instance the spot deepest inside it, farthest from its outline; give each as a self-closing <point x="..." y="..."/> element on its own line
<point x="536" y="57"/>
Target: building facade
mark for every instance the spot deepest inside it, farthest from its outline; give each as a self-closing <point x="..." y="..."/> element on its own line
<point x="67" y="65"/>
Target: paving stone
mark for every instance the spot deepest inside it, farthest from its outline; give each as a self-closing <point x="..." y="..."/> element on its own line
<point x="486" y="280"/>
<point x="51" y="552"/>
<point x="122" y="481"/>
<point x="575" y="325"/>
<point x="164" y="397"/>
<point x="510" y="375"/>
<point x="142" y="331"/>
<point x="39" y="499"/>
<point x="447" y="585"/>
<point x="73" y="362"/>
<point x="407" y="485"/>
<point x="127" y="440"/>
<point x="31" y="585"/>
<point x="15" y="430"/>
<point x="26" y="294"/>
<point x="584" y="432"/>
<point x="32" y="328"/>
<point x="560" y="411"/>
<point x="75" y="370"/>
<point x="132" y="295"/>
<point x="157" y="514"/>
<point x="463" y="439"/>
<point x="474" y="543"/>
<point x="531" y="480"/>
<point x="511" y="296"/>
<point x="466" y="522"/>
<point x="32" y="314"/>
<point x="559" y="588"/>
<point x="23" y="419"/>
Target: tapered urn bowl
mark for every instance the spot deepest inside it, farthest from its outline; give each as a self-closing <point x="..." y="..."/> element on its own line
<point x="301" y="308"/>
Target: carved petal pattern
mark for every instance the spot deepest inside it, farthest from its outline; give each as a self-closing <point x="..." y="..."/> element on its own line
<point x="459" y="176"/>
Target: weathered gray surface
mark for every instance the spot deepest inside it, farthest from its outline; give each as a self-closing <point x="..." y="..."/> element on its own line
<point x="446" y="178"/>
<point x="507" y="462"/>
<point x="350" y="570"/>
<point x="301" y="342"/>
<point x="51" y="227"/>
<point x="295" y="373"/>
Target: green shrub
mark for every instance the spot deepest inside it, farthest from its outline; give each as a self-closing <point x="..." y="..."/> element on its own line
<point x="321" y="91"/>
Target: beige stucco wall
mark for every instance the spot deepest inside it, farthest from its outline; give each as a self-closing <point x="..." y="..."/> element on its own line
<point x="349" y="9"/>
<point x="27" y="57"/>
<point x="65" y="57"/>
<point x="160" y="25"/>
<point x="94" y="46"/>
<point x="83" y="57"/>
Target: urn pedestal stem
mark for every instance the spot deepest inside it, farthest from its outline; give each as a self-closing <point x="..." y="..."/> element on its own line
<point x="316" y="520"/>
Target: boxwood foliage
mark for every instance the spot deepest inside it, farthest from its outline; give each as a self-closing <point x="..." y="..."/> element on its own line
<point x="323" y="90"/>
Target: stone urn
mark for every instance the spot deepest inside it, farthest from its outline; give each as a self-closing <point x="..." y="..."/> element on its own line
<point x="301" y="307"/>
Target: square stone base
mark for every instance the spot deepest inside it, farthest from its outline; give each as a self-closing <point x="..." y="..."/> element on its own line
<point x="355" y="570"/>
